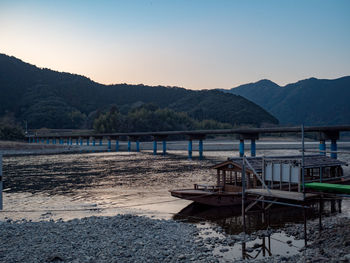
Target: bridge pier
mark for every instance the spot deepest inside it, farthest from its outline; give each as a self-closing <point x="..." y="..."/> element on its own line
<point x="322" y="147"/>
<point x="101" y="141"/>
<point x="48" y="141"/>
<point x="81" y="141"/>
<point x="190" y="149"/>
<point x="93" y="141"/>
<point x="129" y="145"/>
<point x="76" y="141"/>
<point x="154" y="146"/>
<point x="164" y="147"/>
<point x="87" y="141"/>
<point x="252" y="148"/>
<point x="241" y="147"/>
<point x="200" y="149"/>
<point x="248" y="136"/>
<point x="333" y="136"/>
<point x="117" y="145"/>
<point x="334" y="149"/>
<point x="137" y="145"/>
<point x="109" y="145"/>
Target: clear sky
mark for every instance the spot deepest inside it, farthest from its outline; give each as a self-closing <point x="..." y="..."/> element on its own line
<point x="193" y="44"/>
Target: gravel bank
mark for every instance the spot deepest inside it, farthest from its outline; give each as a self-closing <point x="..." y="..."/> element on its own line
<point x="122" y="238"/>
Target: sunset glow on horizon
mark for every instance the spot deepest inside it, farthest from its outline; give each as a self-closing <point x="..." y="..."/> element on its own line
<point x="190" y="44"/>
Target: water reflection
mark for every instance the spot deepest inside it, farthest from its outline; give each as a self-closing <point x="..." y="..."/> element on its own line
<point x="230" y="219"/>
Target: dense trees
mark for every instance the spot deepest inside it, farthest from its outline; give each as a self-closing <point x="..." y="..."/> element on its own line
<point x="9" y="129"/>
<point x="151" y="118"/>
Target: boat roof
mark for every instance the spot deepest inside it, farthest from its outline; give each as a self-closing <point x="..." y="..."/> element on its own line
<point x="310" y="161"/>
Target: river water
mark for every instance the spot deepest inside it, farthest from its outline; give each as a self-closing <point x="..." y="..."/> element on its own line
<point x="67" y="186"/>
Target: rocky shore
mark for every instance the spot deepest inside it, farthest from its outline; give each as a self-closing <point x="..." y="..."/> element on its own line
<point x="128" y="238"/>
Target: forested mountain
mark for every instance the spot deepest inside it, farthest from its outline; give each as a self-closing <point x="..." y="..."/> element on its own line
<point x="51" y="99"/>
<point x="310" y="101"/>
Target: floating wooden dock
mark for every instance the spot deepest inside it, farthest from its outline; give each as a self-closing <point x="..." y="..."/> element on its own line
<point x="273" y="193"/>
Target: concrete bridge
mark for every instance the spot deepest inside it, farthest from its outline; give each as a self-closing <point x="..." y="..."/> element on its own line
<point x="71" y="137"/>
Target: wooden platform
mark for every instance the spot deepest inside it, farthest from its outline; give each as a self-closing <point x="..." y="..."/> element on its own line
<point x="296" y="196"/>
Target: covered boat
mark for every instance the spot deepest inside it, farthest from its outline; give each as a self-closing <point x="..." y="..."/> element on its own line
<point x="282" y="172"/>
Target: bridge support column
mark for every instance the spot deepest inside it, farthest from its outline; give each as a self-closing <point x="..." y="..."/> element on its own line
<point x="101" y="142"/>
<point x="333" y="136"/>
<point x="322" y="147"/>
<point x="117" y="145"/>
<point x="137" y="145"/>
<point x="67" y="141"/>
<point x="77" y="141"/>
<point x="334" y="149"/>
<point x="200" y="149"/>
<point x="109" y="145"/>
<point x="190" y="149"/>
<point x="252" y="148"/>
<point x="129" y="145"/>
<point x="48" y="141"/>
<point x="154" y="146"/>
<point x="81" y="141"/>
<point x="248" y="136"/>
<point x="164" y="147"/>
<point x="241" y="147"/>
<point x="37" y="140"/>
<point x="93" y="141"/>
<point x="88" y="141"/>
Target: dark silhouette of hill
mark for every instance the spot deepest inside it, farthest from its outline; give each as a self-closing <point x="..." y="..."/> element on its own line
<point x="310" y="101"/>
<point x="52" y="99"/>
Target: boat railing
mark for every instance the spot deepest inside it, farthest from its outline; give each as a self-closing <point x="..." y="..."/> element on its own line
<point x="209" y="188"/>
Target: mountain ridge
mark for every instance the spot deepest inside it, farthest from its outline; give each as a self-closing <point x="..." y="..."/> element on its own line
<point x="310" y="101"/>
<point x="52" y="99"/>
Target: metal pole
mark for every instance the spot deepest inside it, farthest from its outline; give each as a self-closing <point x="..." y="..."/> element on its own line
<point x="320" y="214"/>
<point x="305" y="233"/>
<point x="243" y="195"/>
<point x="1" y="184"/>
<point x="302" y="158"/>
